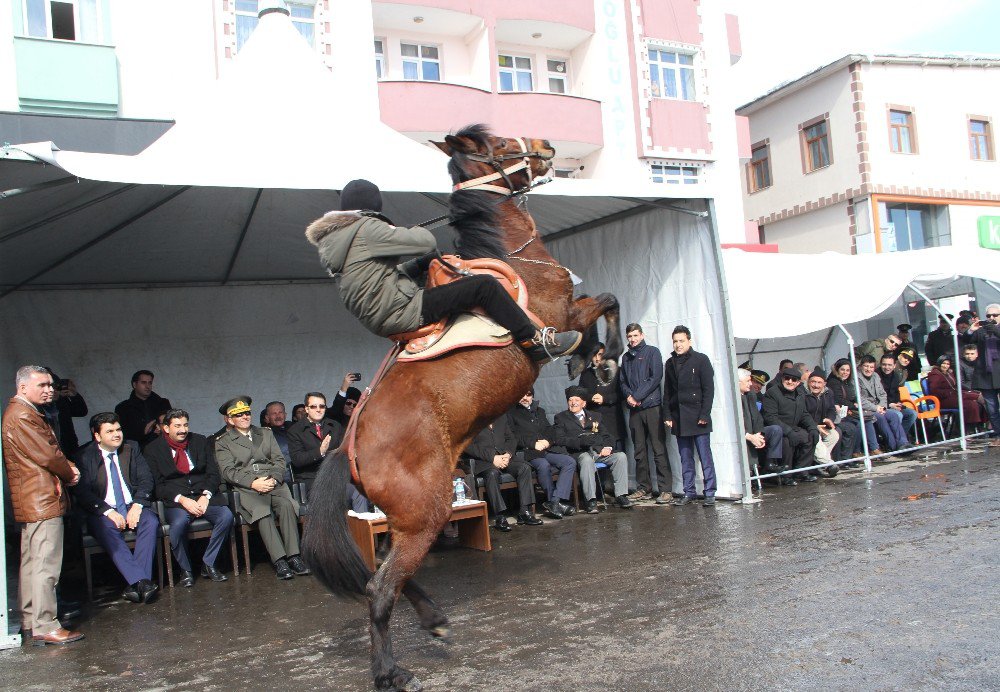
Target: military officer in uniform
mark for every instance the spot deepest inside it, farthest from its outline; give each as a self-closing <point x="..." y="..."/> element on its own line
<point x="249" y="460"/>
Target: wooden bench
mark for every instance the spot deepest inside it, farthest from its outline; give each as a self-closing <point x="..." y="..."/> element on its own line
<point x="473" y="530"/>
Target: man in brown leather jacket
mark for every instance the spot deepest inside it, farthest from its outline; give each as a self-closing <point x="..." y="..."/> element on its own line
<point x="37" y="470"/>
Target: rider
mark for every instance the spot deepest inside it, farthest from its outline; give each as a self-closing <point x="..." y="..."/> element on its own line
<point x="365" y="249"/>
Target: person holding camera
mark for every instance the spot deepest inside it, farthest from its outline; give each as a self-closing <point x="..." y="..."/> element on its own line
<point x="66" y="405"/>
<point x="346" y="398"/>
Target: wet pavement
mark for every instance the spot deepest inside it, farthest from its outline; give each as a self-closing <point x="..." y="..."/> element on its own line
<point x="882" y="582"/>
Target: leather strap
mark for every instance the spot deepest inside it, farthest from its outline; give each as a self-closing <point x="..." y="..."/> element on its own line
<point x="350" y="433"/>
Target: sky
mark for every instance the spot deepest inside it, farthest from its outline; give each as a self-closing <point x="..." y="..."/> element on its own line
<point x="785" y="39"/>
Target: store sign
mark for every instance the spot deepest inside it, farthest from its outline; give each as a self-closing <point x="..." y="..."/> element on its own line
<point x="989" y="232"/>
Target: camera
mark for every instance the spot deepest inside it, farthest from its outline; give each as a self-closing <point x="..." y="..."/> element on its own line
<point x="61" y="384"/>
<point x="355" y="376"/>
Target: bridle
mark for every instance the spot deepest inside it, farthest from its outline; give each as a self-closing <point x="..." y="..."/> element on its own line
<point x="523" y="163"/>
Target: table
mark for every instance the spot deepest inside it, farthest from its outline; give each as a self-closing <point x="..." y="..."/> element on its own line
<point x="473" y="530"/>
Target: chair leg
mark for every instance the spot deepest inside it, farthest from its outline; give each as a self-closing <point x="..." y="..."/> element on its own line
<point x="246" y="547"/>
<point x="159" y="563"/>
<point x="170" y="563"/>
<point x="232" y="552"/>
<point x="576" y="492"/>
<point x="90" y="575"/>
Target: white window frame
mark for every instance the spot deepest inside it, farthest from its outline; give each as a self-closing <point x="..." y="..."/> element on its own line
<point x="659" y="69"/>
<point x="380" y="59"/>
<point x="303" y="20"/>
<point x="687" y="173"/>
<point x="242" y="13"/>
<point x="420" y="60"/>
<point x="76" y="20"/>
<point x="562" y="76"/>
<point x="514" y="71"/>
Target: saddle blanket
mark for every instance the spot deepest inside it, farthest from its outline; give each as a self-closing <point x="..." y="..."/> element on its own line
<point x="464" y="331"/>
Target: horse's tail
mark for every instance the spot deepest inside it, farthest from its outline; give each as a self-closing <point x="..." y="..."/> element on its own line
<point x="327" y="545"/>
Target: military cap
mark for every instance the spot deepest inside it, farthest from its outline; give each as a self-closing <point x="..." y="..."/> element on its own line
<point x="759" y="376"/>
<point x="904" y="327"/>
<point x="239" y="404"/>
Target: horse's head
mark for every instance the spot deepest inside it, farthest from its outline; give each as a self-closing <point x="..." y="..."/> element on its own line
<point x="480" y="160"/>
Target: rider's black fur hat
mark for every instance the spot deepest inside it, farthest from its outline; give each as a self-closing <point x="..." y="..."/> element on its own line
<point x="360" y="194"/>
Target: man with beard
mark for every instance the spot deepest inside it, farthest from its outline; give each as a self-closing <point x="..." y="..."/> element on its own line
<point x="186" y="478"/>
<point x="785" y="406"/>
<point x="534" y="438"/>
<point x="819" y="404"/>
<point x="139" y="413"/>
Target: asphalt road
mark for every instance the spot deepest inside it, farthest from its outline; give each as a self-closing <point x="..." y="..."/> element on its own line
<point x="888" y="581"/>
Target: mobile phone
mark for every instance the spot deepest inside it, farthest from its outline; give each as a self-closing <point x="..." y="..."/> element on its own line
<point x="355" y="376"/>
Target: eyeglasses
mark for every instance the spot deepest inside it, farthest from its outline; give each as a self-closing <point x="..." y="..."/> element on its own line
<point x="993" y="316"/>
<point x="790" y="379"/>
<point x="317" y="407"/>
<point x="245" y="414"/>
<point x="350" y="403"/>
<point x="894" y="342"/>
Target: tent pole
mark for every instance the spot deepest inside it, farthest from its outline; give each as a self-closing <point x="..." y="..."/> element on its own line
<point x="665" y="205"/>
<point x="72" y="210"/>
<point x="243" y="235"/>
<point x="727" y="335"/>
<point x="7" y="640"/>
<point x="826" y="342"/>
<point x="857" y="393"/>
<point x="956" y="365"/>
<point x="14" y="191"/>
<point x="91" y="243"/>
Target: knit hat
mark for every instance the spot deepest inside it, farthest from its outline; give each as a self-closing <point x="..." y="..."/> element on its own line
<point x="817" y="373"/>
<point x="360" y="194"/>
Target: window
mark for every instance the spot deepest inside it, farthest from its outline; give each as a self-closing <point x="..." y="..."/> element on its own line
<point x="980" y="139"/>
<point x="674" y="174"/>
<point x="68" y="20"/>
<point x="302" y="15"/>
<point x="902" y="137"/>
<point x="380" y="58"/>
<point x="759" y="168"/>
<point x="557" y="76"/>
<point x="515" y="73"/>
<point x="907" y="226"/>
<point x="671" y="74"/>
<point x="421" y="62"/>
<point x="815" y="145"/>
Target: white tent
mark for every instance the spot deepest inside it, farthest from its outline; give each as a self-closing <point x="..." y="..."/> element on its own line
<point x="189" y="258"/>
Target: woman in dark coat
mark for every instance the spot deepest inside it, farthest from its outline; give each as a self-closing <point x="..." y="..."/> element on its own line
<point x="941" y="383"/>
<point x="600" y="379"/>
<point x="841" y="384"/>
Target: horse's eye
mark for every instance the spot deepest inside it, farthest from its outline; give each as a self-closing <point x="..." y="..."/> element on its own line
<point x="503" y="143"/>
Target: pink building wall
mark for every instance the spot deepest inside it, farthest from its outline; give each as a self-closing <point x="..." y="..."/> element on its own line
<point x="679" y="125"/>
<point x="733" y="35"/>
<point x="672" y="21"/>
<point x="578" y="13"/>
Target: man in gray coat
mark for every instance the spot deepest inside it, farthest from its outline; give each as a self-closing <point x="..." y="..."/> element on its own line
<point x="249" y="460"/>
<point x="365" y="249"/>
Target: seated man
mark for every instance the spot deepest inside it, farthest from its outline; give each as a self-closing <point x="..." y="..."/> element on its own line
<point x="785" y="406"/>
<point x="819" y="404"/>
<point x="580" y="432"/>
<point x="913" y="364"/>
<point x="187" y="480"/>
<point x="490" y="454"/>
<point x="250" y="461"/>
<point x="534" y="432"/>
<point x="876" y="348"/>
<point x="365" y="249"/>
<point x="893" y="375"/>
<point x="310" y="439"/>
<point x="116" y="491"/>
<point x="776" y="382"/>
<point x="875" y="404"/>
<point x="273" y="416"/>
<point x="763" y="441"/>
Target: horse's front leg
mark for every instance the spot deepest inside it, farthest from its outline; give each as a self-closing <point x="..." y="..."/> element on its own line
<point x="583" y="314"/>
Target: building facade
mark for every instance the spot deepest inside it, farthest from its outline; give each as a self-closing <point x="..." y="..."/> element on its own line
<point x="624" y="89"/>
<point x="877" y="153"/>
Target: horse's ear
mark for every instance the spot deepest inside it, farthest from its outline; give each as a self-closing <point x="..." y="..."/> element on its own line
<point x="443" y="146"/>
<point x="459" y="144"/>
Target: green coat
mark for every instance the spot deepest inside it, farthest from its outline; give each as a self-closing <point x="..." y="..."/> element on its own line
<point x="365" y="251"/>
<point x="241" y="463"/>
<point x="874" y="348"/>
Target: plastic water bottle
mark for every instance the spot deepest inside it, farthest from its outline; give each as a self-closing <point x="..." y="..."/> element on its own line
<point x="377" y="512"/>
<point x="459" y="490"/>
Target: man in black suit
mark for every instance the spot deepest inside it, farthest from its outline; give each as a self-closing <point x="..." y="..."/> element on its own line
<point x="187" y="482"/>
<point x="581" y="433"/>
<point x="310" y="439"/>
<point x="139" y="413"/>
<point x="116" y="491"/>
<point x="273" y="416"/>
<point x="490" y="454"/>
<point x="533" y="430"/>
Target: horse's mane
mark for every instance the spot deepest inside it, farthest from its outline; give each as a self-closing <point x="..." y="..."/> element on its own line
<point x="474" y="212"/>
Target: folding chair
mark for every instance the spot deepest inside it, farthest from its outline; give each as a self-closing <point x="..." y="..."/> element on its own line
<point x="91" y="547"/>
<point x="198" y="528"/>
<point x="950" y="412"/>
<point x="927" y="407"/>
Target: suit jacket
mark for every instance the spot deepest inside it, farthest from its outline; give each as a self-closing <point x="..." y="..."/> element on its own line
<point x="135" y="414"/>
<point x="496" y="438"/>
<point x="689" y="389"/>
<point x="531" y="425"/>
<point x="242" y="461"/>
<point x="787" y="409"/>
<point x="170" y="482"/>
<point x="93" y="485"/>
<point x="576" y="438"/>
<point x="753" y="422"/>
<point x="303" y="445"/>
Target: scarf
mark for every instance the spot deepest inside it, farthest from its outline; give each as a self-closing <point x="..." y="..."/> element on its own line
<point x="180" y="454"/>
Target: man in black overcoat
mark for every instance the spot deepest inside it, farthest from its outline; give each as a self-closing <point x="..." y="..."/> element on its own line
<point x="534" y="440"/>
<point x="785" y="406"/>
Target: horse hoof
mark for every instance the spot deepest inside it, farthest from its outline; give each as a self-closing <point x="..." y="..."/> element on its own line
<point x="402" y="681"/>
<point x="440" y="631"/>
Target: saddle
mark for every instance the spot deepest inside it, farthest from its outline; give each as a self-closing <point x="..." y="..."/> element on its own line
<point x="460" y="331"/>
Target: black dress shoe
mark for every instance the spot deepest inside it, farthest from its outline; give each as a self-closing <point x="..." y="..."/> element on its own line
<point x="187" y="579"/>
<point x="148" y="590"/>
<point x="281" y="569"/>
<point x="500" y="523"/>
<point x="298" y="566"/>
<point x="787" y="480"/>
<point x="528" y="519"/>
<point x="832" y="471"/>
<point x="131" y="593"/>
<point x="591" y="506"/>
<point x="552" y="509"/>
<point x="681" y="501"/>
<point x="623" y="502"/>
<point x="567" y="510"/>
<point x="212" y="573"/>
<point x="806" y="478"/>
<point x="708" y="501"/>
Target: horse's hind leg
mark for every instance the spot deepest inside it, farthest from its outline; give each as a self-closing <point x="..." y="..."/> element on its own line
<point x="431" y="617"/>
<point x="408" y="551"/>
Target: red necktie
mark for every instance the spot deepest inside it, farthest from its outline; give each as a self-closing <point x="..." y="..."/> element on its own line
<point x="318" y="431"/>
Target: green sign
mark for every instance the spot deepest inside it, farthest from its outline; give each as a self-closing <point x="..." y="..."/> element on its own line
<point x="989" y="232"/>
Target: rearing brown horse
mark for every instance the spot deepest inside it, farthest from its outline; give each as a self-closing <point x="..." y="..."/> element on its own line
<point x="437" y="406"/>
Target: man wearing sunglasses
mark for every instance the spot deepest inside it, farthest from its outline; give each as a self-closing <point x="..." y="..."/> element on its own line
<point x="249" y="460"/>
<point x="986" y="374"/>
<point x="876" y="348"/>
<point x="785" y="406"/>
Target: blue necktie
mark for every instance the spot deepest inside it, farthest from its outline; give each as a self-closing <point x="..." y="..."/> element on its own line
<point x="116" y="485"/>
